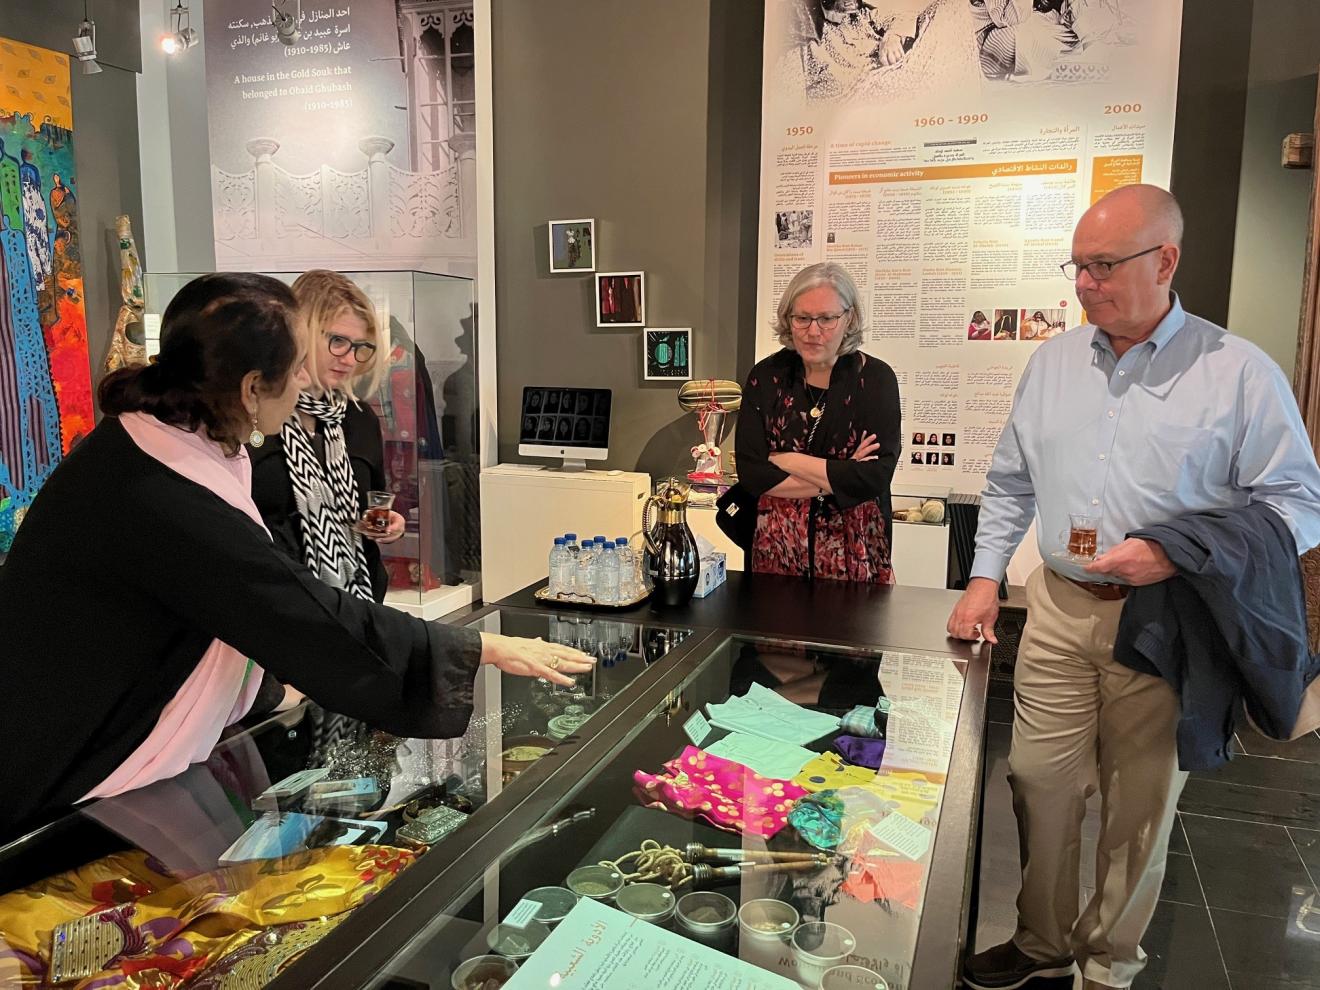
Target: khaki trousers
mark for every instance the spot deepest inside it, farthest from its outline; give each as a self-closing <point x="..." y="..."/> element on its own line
<point x="1083" y="720"/>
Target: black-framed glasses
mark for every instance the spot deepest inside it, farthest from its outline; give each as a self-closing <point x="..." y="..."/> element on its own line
<point x="1100" y="270"/>
<point x="363" y="350"/>
<point x="826" y="323"/>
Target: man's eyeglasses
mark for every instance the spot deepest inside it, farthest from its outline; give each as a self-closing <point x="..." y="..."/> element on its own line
<point x="826" y="323"/>
<point x="1100" y="270"/>
<point x="363" y="350"/>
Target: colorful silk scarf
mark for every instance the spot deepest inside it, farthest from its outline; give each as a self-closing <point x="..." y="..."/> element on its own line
<point x="837" y="819"/>
<point x="726" y="794"/>
<point x="828" y="772"/>
<point x="860" y="751"/>
<point x="124" y="923"/>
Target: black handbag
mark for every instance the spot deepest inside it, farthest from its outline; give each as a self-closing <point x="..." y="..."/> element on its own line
<point x="735" y="515"/>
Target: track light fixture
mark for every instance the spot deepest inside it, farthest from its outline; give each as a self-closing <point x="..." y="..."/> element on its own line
<point x="182" y="35"/>
<point x="286" y="22"/>
<point x="84" y="44"/>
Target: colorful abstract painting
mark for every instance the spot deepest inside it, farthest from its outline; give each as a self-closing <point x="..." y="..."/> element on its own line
<point x="45" y="372"/>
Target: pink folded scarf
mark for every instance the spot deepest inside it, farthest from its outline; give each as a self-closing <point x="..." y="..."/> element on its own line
<point x="224" y="685"/>
<point x="726" y="794"/>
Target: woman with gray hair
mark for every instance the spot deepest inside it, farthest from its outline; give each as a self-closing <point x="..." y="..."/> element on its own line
<point x="818" y="438"/>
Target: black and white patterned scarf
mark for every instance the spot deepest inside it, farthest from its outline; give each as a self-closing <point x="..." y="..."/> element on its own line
<point x="327" y="498"/>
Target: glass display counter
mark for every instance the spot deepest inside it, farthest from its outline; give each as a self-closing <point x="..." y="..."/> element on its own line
<point x="220" y="876"/>
<point x="640" y="810"/>
<point x="429" y="420"/>
<point x="654" y="857"/>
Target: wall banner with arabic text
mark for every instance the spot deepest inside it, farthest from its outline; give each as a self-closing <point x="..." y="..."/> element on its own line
<point x="942" y="151"/>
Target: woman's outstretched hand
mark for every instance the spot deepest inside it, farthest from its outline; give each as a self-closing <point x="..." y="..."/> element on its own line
<point x="534" y="658"/>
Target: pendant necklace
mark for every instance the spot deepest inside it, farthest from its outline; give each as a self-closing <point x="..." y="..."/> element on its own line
<point x="817" y="404"/>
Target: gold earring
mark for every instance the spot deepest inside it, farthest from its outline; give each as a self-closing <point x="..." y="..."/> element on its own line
<point x="256" y="438"/>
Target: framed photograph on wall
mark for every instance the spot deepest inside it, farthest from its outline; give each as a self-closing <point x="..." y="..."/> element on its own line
<point x="572" y="246"/>
<point x="667" y="354"/>
<point x="620" y="299"/>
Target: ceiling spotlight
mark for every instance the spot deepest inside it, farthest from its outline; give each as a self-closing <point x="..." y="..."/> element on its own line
<point x="285" y="23"/>
<point x="84" y="46"/>
<point x="183" y="36"/>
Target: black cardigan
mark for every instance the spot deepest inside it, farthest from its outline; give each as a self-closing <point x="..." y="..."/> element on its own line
<point x="863" y="397"/>
<point x="119" y="578"/>
<point x="272" y="487"/>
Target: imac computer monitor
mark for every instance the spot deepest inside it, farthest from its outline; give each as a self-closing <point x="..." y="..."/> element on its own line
<point x="569" y="423"/>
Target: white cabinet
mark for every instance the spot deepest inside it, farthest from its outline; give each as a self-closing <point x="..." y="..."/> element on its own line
<point x="523" y="508"/>
<point x="920" y="549"/>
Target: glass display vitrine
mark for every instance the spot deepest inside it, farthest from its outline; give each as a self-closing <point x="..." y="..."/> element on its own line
<point x="429" y="419"/>
<point x="225" y="874"/>
<point x="799" y="871"/>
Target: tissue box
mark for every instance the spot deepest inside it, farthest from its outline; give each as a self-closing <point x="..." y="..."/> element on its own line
<point x="712" y="574"/>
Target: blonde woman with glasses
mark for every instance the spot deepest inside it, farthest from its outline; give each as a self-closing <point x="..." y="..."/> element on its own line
<point x="310" y="482"/>
<point x="818" y="438"/>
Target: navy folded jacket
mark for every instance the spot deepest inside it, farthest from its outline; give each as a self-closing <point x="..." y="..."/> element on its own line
<point x="1229" y="627"/>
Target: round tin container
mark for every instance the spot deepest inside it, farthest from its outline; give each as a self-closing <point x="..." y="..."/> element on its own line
<point x="767" y="920"/>
<point x="483" y="971"/>
<point x="708" y="917"/>
<point x="555" y="903"/>
<point x="819" y="946"/>
<point x="647" y="902"/>
<point x="852" y="978"/>
<point x="600" y="883"/>
<point x="517" y="943"/>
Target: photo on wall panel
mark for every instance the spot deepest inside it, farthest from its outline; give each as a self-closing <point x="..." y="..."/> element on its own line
<point x="667" y="355"/>
<point x="572" y="246"/>
<point x="620" y="299"/>
<point x="1041" y="324"/>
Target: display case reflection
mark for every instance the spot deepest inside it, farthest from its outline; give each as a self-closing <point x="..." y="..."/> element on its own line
<point x="311" y="794"/>
<point x="813" y="876"/>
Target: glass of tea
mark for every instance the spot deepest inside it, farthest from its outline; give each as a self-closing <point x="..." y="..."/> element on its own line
<point x="1082" y="531"/>
<point x="377" y="517"/>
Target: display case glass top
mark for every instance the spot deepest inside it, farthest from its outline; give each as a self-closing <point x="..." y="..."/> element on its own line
<point x="295" y="822"/>
<point x="683" y="839"/>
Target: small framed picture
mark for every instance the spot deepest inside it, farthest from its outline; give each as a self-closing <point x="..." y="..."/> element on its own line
<point x="668" y="354"/>
<point x="620" y="299"/>
<point x="572" y="246"/>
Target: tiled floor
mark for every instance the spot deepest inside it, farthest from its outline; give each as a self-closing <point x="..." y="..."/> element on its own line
<point x="1243" y="867"/>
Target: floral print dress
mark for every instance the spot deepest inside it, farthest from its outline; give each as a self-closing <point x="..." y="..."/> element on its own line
<point x="843" y="536"/>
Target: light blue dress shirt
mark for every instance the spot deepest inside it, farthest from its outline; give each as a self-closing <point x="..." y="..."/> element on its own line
<point x="1192" y="419"/>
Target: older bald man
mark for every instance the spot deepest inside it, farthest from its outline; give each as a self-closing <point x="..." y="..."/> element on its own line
<point x="1145" y="415"/>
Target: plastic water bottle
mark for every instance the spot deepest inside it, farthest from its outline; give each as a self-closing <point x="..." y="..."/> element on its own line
<point x="593" y="569"/>
<point x="568" y="571"/>
<point x="607" y="573"/>
<point x="583" y="571"/>
<point x="558" y="559"/>
<point x="627" y="569"/>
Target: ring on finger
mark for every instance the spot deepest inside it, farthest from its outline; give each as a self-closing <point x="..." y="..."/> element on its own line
<point x="554" y="663"/>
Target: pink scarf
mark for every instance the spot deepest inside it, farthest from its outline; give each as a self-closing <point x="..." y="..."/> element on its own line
<point x="726" y="794"/>
<point x="223" y="687"/>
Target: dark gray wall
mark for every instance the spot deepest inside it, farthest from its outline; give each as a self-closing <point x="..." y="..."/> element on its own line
<point x="1207" y="147"/>
<point x="647" y="118"/>
<point x="1273" y="217"/>
<point x="105" y="136"/>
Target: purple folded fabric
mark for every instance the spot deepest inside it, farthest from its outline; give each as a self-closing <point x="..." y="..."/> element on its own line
<point x="861" y="752"/>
